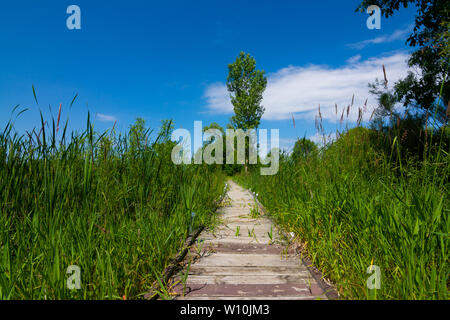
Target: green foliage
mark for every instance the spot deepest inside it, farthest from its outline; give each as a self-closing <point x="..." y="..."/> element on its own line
<point x="246" y="86"/>
<point x="386" y="99"/>
<point x="444" y="42"/>
<point x="227" y="169"/>
<point x="430" y="37"/>
<point x="137" y="135"/>
<point x="114" y="205"/>
<point x="254" y="212"/>
<point x="303" y="148"/>
<point x="428" y="21"/>
<point x="353" y="205"/>
<point x="417" y="132"/>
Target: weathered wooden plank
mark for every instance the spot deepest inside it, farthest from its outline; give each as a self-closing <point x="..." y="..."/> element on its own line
<point x="231" y="229"/>
<point x="246" y="267"/>
<point x="247" y="260"/>
<point x="242" y="248"/>
<point x="242" y="290"/>
<point x="259" y="270"/>
<point x="238" y="240"/>
<point x="301" y="278"/>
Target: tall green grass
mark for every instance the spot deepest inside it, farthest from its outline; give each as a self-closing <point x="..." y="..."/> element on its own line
<point x="353" y="206"/>
<point x="116" y="206"/>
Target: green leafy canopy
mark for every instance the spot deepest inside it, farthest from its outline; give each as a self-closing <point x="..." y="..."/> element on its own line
<point x="246" y="86"/>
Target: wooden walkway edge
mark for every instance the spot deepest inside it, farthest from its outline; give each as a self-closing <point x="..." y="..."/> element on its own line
<point x="246" y="257"/>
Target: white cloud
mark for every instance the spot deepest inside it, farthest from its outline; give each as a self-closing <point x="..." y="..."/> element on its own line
<point x="396" y="35"/>
<point x="218" y="98"/>
<point x="299" y="90"/>
<point x="106" y="118"/>
<point x="353" y="59"/>
<point x="287" y="144"/>
<point x="320" y="139"/>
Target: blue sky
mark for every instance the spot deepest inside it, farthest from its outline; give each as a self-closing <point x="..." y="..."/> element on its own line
<point x="168" y="59"/>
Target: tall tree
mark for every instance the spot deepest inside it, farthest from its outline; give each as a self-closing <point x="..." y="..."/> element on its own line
<point x="421" y="89"/>
<point x="246" y="86"/>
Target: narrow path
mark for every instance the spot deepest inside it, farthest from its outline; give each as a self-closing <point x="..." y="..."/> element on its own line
<point x="245" y="257"/>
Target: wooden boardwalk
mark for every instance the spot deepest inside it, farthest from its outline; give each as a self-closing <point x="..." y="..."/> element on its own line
<point x="245" y="257"/>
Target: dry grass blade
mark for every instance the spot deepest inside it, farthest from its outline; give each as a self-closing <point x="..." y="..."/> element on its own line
<point x="59" y="117"/>
<point x="359" y="117"/>
<point x="373" y="112"/>
<point x="385" y="77"/>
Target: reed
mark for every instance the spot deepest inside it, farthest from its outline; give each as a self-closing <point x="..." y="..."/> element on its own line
<point x="115" y="206"/>
<point x="354" y="205"/>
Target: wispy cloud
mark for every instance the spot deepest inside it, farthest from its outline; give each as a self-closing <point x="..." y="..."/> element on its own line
<point x="287" y="144"/>
<point x="299" y="90"/>
<point x="321" y="139"/>
<point x="396" y="35"/>
<point x="218" y="99"/>
<point x="105" y="117"/>
<point x="353" y="59"/>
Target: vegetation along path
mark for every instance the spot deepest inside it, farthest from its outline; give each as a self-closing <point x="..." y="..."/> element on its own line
<point x="245" y="257"/>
